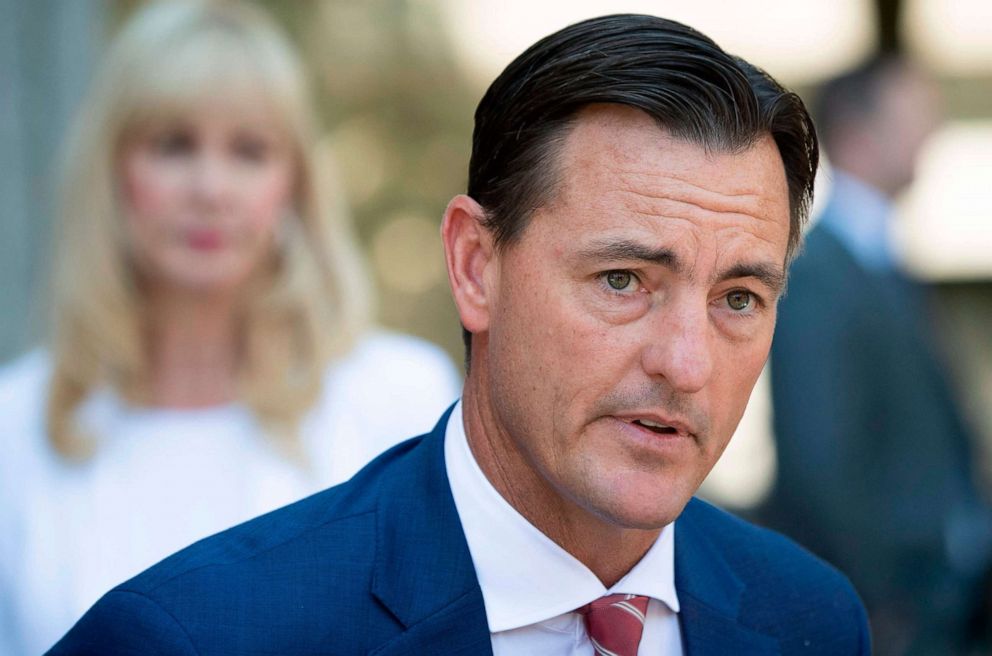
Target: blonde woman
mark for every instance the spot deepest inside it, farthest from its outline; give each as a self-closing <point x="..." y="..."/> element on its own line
<point x="210" y="359"/>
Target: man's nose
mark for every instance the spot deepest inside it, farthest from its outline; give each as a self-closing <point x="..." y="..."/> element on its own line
<point x="678" y="347"/>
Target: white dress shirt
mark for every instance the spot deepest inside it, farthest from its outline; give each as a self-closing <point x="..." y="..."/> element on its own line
<point x="531" y="586"/>
<point x="860" y="216"/>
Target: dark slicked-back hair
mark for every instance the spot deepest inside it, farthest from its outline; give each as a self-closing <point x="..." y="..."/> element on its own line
<point x="670" y="71"/>
<point x="678" y="76"/>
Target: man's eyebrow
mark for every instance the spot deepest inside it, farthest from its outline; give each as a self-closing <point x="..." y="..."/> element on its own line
<point x="625" y="250"/>
<point x="769" y="275"/>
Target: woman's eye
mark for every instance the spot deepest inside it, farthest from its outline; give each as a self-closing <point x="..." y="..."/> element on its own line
<point x="740" y="300"/>
<point x="251" y="149"/>
<point x="174" y="143"/>
<point x="620" y="280"/>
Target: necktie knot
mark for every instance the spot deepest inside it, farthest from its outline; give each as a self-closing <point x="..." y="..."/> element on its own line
<point x="615" y="623"/>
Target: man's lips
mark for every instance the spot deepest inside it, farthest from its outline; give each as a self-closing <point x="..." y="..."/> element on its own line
<point x="657" y="424"/>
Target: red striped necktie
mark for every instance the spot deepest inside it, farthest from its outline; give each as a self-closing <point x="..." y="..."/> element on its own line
<point x="615" y="623"/>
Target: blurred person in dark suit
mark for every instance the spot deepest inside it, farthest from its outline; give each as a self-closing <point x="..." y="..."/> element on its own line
<point x="212" y="357"/>
<point x="873" y="452"/>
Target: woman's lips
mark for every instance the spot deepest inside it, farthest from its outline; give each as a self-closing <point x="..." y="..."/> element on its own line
<point x="205" y="240"/>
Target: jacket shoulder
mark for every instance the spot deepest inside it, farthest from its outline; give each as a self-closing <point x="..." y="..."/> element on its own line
<point x="824" y="268"/>
<point x="785" y="591"/>
<point x="763" y="558"/>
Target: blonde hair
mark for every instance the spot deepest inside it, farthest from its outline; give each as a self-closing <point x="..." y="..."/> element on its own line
<point x="170" y="58"/>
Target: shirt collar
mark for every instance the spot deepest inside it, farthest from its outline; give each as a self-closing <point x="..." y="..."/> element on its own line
<point x="525" y="577"/>
<point x="861" y="217"/>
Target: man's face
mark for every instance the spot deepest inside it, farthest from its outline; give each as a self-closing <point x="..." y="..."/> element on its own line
<point x="629" y="323"/>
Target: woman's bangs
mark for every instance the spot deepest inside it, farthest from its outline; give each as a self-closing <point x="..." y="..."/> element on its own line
<point x="205" y="73"/>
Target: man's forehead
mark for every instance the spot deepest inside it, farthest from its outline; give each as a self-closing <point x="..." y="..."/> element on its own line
<point x="618" y="169"/>
<point x="618" y="157"/>
<point x="620" y="140"/>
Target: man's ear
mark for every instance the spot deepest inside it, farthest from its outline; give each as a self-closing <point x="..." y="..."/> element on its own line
<point x="468" y="251"/>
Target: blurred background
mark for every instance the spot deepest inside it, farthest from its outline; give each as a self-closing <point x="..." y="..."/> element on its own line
<point x="398" y="81"/>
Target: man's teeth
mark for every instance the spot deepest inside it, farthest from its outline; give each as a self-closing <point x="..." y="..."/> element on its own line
<point x="650" y="424"/>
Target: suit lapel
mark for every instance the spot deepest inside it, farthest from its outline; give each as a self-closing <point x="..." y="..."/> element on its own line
<point x="706" y="632"/>
<point x="423" y="572"/>
<point x="710" y="595"/>
<point x="458" y="629"/>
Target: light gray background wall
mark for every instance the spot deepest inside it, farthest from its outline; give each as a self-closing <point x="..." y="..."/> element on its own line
<point x="47" y="51"/>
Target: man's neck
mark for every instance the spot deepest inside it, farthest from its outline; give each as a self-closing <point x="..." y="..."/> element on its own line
<point x="572" y="527"/>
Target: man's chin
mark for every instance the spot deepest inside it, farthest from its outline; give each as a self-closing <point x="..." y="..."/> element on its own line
<point x="646" y="512"/>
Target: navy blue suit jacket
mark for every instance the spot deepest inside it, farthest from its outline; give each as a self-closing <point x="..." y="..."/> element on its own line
<point x="380" y="565"/>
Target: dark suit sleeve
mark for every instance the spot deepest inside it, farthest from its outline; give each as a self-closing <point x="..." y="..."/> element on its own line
<point x="125" y="623"/>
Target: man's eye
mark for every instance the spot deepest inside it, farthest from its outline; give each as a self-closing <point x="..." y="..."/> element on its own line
<point x="619" y="280"/>
<point x="740" y="300"/>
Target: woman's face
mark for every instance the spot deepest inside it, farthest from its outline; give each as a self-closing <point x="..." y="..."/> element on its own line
<point x="203" y="196"/>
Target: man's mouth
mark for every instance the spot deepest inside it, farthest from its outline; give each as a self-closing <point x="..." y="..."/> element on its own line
<point x="655" y="427"/>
